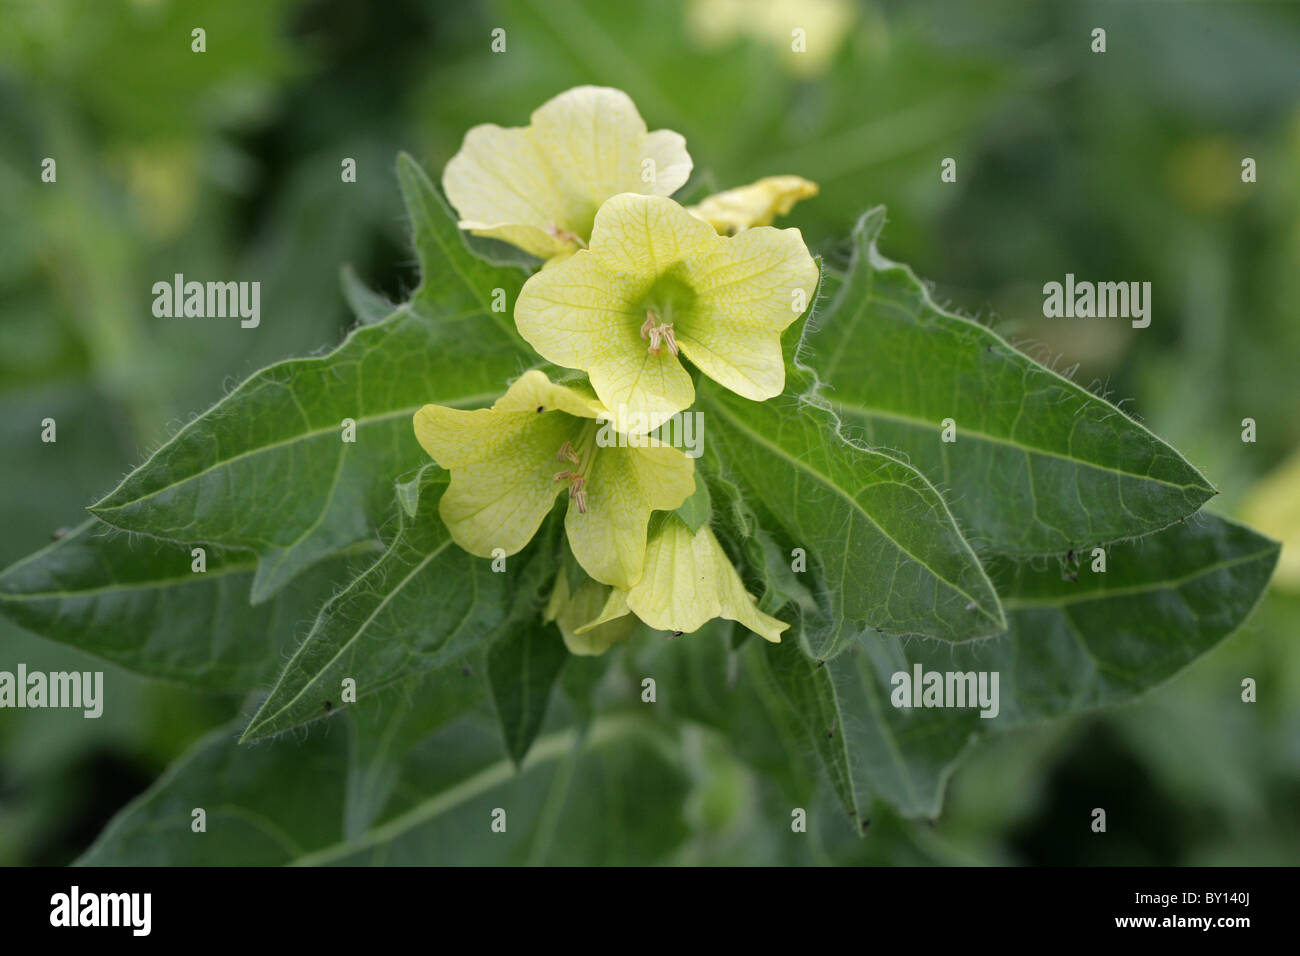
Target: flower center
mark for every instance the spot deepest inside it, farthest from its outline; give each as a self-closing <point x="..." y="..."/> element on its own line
<point x="580" y="459"/>
<point x="658" y="332"/>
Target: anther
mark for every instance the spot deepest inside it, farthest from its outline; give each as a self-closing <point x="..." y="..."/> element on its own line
<point x="566" y="452"/>
<point x="564" y="235"/>
<point x="657" y="332"/>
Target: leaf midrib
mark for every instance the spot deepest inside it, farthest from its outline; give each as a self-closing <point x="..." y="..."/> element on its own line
<point x="356" y="634"/>
<point x="544" y="750"/>
<point x="1029" y="604"/>
<point x="966" y="431"/>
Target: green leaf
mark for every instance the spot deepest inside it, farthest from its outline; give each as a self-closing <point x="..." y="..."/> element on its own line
<point x="423" y="603"/>
<point x="383" y="734"/>
<point x="286" y="803"/>
<point x="267" y="468"/>
<point x="368" y="305"/>
<point x="1073" y="645"/>
<point x="696" y="510"/>
<point x="882" y="549"/>
<point x="523" y="666"/>
<point x="1039" y="464"/>
<point x="138" y="603"/>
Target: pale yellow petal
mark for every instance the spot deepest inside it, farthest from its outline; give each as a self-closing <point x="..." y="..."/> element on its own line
<point x="735" y="210"/>
<point x="614" y="608"/>
<point x="726" y="299"/>
<point x="582" y="314"/>
<point x="749" y="290"/>
<point x="597" y="146"/>
<point x="499" y="183"/>
<point x="502" y="468"/>
<point x="534" y="392"/>
<point x="575" y="613"/>
<point x="624" y="485"/>
<point x="539" y="186"/>
<point x="688" y="581"/>
<point x="646" y="235"/>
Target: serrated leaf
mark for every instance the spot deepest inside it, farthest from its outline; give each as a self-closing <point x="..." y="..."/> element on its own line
<point x="267" y="468"/>
<point x="423" y="603"/>
<point x="137" y="602"/>
<point x="285" y="803"/>
<point x="523" y="666"/>
<point x="1039" y="465"/>
<point x="882" y="550"/>
<point x="1072" y="645"/>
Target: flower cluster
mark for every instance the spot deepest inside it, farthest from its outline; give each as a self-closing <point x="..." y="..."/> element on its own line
<point x="633" y="287"/>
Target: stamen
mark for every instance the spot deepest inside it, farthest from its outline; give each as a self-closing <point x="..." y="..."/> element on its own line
<point x="564" y="235"/>
<point x="576" y="476"/>
<point x="650" y="321"/>
<point x="566" y="451"/>
<point x="578" y="492"/>
<point x="657" y="332"/>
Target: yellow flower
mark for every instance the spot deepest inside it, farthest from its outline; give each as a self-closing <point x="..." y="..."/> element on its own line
<point x="687" y="582"/>
<point x="808" y="33"/>
<point x="655" y="282"/>
<point x="757" y="204"/>
<point x="508" y="464"/>
<point x="538" y="187"/>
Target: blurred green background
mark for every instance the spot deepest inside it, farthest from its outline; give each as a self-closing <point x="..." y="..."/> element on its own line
<point x="1122" y="166"/>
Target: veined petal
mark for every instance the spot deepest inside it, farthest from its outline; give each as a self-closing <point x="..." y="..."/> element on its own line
<point x="539" y="186"/>
<point x="583" y="314"/>
<point x="502" y="466"/>
<point x="734" y="210"/>
<point x="615" y="607"/>
<point x="623" y="487"/>
<point x="688" y="581"/>
<point x="576" y="611"/>
<point x="534" y="392"/>
<point x="499" y="184"/>
<point x="597" y="145"/>
<point x="646" y="235"/>
<point x="656" y="280"/>
<point x="749" y="290"/>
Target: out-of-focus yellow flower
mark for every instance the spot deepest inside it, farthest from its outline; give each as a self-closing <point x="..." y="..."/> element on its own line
<point x="1273" y="507"/>
<point x="807" y="32"/>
